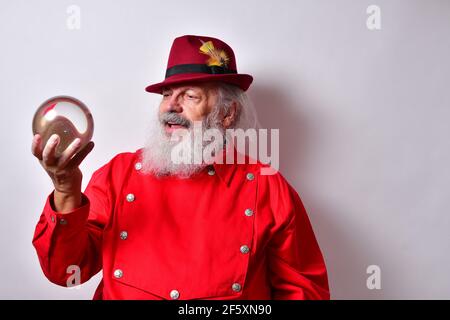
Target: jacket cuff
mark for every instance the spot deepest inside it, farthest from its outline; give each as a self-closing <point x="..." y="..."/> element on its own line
<point x="72" y="219"/>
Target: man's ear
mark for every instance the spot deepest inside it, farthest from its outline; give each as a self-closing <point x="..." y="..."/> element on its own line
<point x="230" y="117"/>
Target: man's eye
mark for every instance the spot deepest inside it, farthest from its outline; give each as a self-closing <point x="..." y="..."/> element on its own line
<point x="192" y="97"/>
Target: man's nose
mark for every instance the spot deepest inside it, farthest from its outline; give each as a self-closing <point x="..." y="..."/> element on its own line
<point x="174" y="104"/>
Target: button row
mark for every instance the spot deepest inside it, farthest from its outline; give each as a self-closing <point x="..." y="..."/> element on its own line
<point x="62" y="221"/>
<point x="175" y="294"/>
<point x="250" y="176"/>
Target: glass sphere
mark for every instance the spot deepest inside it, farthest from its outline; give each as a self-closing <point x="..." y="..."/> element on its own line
<point x="66" y="116"/>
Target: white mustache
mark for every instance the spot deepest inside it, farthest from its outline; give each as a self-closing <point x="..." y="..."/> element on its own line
<point x="174" y="118"/>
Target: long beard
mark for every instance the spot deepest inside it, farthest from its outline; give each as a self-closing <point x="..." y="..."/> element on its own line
<point x="161" y="155"/>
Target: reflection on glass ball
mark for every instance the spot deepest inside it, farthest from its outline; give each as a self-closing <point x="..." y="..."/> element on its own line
<point x="66" y="116"/>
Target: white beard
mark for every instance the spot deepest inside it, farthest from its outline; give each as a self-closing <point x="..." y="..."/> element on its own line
<point x="157" y="156"/>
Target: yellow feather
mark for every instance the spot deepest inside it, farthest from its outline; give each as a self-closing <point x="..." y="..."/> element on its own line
<point x="207" y="47"/>
<point x="216" y="57"/>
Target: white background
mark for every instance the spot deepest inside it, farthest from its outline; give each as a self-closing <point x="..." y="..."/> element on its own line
<point x="363" y="117"/>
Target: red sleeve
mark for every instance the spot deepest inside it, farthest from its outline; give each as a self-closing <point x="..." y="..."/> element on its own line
<point x="296" y="265"/>
<point x="63" y="241"/>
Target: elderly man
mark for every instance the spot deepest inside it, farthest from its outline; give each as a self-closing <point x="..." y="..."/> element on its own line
<point x="162" y="229"/>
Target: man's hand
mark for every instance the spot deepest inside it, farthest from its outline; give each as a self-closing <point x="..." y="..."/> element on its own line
<point x="63" y="170"/>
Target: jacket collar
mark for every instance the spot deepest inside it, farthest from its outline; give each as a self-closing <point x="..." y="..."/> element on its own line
<point x="224" y="170"/>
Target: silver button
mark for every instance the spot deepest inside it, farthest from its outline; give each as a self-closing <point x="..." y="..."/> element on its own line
<point x="138" y="166"/>
<point x="245" y="249"/>
<point x="211" y="172"/>
<point x="250" y="176"/>
<point x="130" y="197"/>
<point x="63" y="221"/>
<point x="174" y="294"/>
<point x="123" y="235"/>
<point x="236" y="287"/>
<point x="248" y="212"/>
<point x="53" y="218"/>
<point x="118" y="273"/>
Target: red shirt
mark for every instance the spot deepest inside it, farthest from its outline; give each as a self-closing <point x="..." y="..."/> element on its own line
<point x="228" y="232"/>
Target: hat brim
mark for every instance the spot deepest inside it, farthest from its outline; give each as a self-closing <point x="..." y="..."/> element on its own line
<point x="243" y="81"/>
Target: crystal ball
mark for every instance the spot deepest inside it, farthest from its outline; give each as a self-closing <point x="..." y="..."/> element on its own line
<point x="66" y="116"/>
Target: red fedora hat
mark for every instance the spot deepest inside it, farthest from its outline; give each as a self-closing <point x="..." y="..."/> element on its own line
<point x="199" y="58"/>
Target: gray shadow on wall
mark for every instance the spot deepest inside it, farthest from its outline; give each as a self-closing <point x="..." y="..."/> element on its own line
<point x="275" y="112"/>
<point x="346" y="261"/>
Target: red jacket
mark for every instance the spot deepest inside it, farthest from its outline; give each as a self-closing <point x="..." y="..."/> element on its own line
<point x="226" y="233"/>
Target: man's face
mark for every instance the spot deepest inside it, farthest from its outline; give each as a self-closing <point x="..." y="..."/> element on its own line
<point x="185" y="113"/>
<point x="181" y="105"/>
